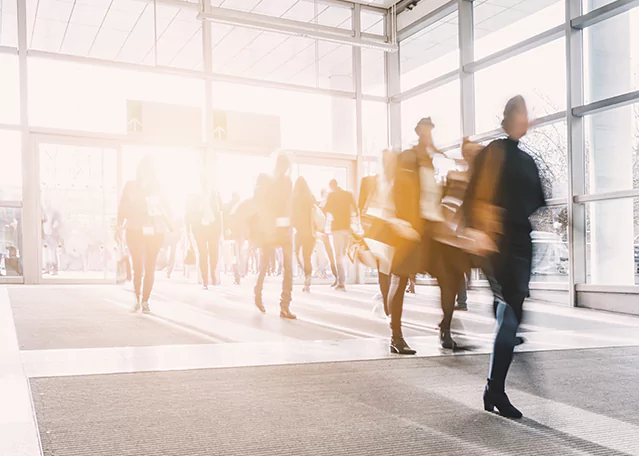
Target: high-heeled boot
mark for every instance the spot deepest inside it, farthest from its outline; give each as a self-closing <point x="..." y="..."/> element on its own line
<point x="497" y="398"/>
<point x="446" y="339"/>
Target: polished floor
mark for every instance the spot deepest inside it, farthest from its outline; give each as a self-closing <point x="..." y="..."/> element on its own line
<point x="58" y="341"/>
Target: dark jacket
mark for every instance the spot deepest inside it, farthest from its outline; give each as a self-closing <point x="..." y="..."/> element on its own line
<point x="271" y="225"/>
<point x="134" y="208"/>
<point x="303" y="202"/>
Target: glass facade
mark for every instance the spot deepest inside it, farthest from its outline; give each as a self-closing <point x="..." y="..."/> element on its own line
<point x="90" y="62"/>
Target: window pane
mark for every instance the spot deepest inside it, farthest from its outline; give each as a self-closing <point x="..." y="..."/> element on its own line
<point x="544" y="91"/>
<point x="373" y="72"/>
<point x="9" y="89"/>
<point x="375" y="127"/>
<point x="611" y="57"/>
<point x="372" y="23"/>
<point x="500" y="24"/>
<point x="550" y="245"/>
<point x="612" y="244"/>
<point x="11" y="165"/>
<point x="10" y="241"/>
<point x="430" y="52"/>
<point x="270" y="56"/>
<point x="547" y="145"/>
<point x="589" y="5"/>
<point x="612" y="145"/>
<point x="309" y="122"/>
<point x="442" y="105"/>
<point x="94" y="98"/>
<point x="8" y="23"/>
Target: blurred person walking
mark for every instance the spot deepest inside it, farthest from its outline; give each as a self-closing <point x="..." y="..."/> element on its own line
<point x="417" y="198"/>
<point x="504" y="192"/>
<point x="145" y="216"/>
<point x="305" y="231"/>
<point x="326" y="241"/>
<point x="377" y="211"/>
<point x="273" y="230"/>
<point x="341" y="205"/>
<point x="203" y="221"/>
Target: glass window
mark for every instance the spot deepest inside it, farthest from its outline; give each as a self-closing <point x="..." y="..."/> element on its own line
<point x="430" y="53"/>
<point x="548" y="146"/>
<point x="318" y="177"/>
<point x="373" y="72"/>
<point x="375" y="127"/>
<point x="10" y="241"/>
<point x="9" y="89"/>
<point x="269" y="56"/>
<point x="11" y="165"/>
<point x="544" y="91"/>
<point x="611" y="57"/>
<point x="308" y="122"/>
<point x="8" y="23"/>
<point x="237" y="173"/>
<point x="550" y="245"/>
<point x="372" y="22"/>
<point x="589" y="5"/>
<point x="612" y="150"/>
<point x="612" y="242"/>
<point x="443" y="105"/>
<point x="500" y="24"/>
<point x="94" y="98"/>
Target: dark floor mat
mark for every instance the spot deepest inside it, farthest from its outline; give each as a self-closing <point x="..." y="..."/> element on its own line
<point x="397" y="407"/>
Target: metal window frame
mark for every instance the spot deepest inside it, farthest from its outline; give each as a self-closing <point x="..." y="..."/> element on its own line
<point x="606" y="104"/>
<point x="603" y="13"/>
<point x="606" y="196"/>
<point x="427" y="20"/>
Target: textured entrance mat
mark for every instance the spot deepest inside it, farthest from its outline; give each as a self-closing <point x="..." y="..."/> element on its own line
<point x="576" y="403"/>
<point x="78" y="317"/>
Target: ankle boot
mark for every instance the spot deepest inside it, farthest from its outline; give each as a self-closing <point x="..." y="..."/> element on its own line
<point x="446" y="339"/>
<point x="498" y="399"/>
<point x="399" y="346"/>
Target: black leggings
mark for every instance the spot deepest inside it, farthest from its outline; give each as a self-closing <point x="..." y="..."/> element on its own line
<point x="144" y="254"/>
<point x="396" y="303"/>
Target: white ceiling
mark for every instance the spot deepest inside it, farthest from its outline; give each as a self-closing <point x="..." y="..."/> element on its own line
<point x="124" y="30"/>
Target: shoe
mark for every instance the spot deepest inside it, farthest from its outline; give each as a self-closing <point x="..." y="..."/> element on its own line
<point x="446" y="339"/>
<point x="145" y="308"/>
<point x="340" y="288"/>
<point x="287" y="314"/>
<point x="236" y="282"/>
<point x="335" y="283"/>
<point x="205" y="287"/>
<point x="410" y="289"/>
<point x="137" y="306"/>
<point x="306" y="289"/>
<point x="259" y="305"/>
<point x="462" y="307"/>
<point x="520" y="341"/>
<point x="399" y="346"/>
<point x="501" y="402"/>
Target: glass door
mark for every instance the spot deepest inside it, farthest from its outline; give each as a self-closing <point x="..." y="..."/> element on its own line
<point x="78" y="209"/>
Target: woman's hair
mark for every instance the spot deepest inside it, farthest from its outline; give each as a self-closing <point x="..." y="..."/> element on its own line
<point x="283" y="162"/>
<point x="301" y="187"/>
<point x="515" y="104"/>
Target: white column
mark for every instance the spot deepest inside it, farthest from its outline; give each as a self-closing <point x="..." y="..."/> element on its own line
<point x="466" y="56"/>
<point x="31" y="243"/>
<point x="611" y="222"/>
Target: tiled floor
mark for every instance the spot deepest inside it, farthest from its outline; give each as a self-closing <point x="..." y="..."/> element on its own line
<point x="59" y="331"/>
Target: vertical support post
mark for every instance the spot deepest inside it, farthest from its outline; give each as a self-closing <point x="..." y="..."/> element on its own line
<point x="209" y="160"/>
<point x="576" y="151"/>
<point x="31" y="242"/>
<point x="466" y="56"/>
<point x="359" y="123"/>
<point x="393" y="87"/>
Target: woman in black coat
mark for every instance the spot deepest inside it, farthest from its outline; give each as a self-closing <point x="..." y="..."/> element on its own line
<point x="504" y="191"/>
